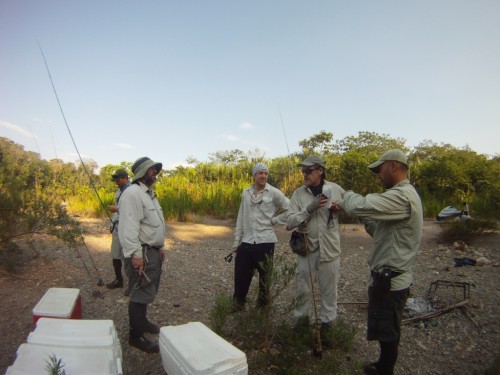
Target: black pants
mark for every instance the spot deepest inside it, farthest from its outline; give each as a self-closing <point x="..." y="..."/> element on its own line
<point x="249" y="257"/>
<point x="385" y="310"/>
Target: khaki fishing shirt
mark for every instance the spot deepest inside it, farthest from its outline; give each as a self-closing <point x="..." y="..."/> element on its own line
<point x="256" y="215"/>
<point x="141" y="220"/>
<point x="322" y="233"/>
<point x="395" y="221"/>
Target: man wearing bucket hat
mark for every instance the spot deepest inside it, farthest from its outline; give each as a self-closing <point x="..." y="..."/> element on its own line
<point x="255" y="237"/>
<point x="142" y="236"/>
<point x="312" y="214"/>
<point x="395" y="220"/>
<point x="120" y="178"/>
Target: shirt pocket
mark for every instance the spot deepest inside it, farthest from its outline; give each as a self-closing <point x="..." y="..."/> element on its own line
<point x="153" y="217"/>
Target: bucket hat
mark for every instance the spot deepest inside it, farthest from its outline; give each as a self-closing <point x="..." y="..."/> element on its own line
<point x="142" y="165"/>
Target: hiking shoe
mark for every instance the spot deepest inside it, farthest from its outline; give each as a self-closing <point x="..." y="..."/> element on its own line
<point x="143" y="344"/>
<point x="326" y="334"/>
<point x="151" y="328"/>
<point x="237" y="307"/>
<point x="126" y="292"/>
<point x="302" y="324"/>
<point x="370" y="369"/>
<point x="115" y="284"/>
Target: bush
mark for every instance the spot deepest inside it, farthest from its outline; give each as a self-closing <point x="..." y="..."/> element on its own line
<point x="465" y="230"/>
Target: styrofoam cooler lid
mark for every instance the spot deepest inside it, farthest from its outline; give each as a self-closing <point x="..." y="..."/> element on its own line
<point x="32" y="360"/>
<point x="203" y="351"/>
<point x="57" y="302"/>
<point x="77" y="333"/>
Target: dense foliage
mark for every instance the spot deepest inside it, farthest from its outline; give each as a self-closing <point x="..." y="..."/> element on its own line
<point x="443" y="174"/>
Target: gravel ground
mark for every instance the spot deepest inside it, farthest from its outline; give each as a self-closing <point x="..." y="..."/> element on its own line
<point x="459" y="342"/>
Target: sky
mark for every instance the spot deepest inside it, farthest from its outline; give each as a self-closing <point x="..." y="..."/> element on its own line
<point x="174" y="80"/>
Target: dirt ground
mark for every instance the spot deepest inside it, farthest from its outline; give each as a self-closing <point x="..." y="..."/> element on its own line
<point x="458" y="342"/>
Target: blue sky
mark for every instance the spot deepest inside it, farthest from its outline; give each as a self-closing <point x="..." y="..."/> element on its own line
<point x="174" y="79"/>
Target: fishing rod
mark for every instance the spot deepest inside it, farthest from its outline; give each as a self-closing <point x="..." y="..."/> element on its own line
<point x="100" y="281"/>
<point x="71" y="136"/>
<point x="283" y="126"/>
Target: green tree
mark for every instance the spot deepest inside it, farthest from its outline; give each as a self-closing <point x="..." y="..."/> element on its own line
<point x="28" y="205"/>
<point x="317" y="144"/>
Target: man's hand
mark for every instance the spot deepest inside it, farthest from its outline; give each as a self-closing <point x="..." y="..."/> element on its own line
<point x="138" y="264"/>
<point x="163" y="254"/>
<point x="317" y="202"/>
<point x="335" y="207"/>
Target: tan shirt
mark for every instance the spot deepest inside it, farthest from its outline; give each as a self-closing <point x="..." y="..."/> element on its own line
<point x="395" y="221"/>
<point x="141" y="220"/>
<point x="321" y="234"/>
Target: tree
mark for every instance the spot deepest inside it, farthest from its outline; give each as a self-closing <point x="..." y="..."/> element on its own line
<point x="227" y="157"/>
<point x="317" y="143"/>
<point x="28" y="205"/>
<point x="369" y="142"/>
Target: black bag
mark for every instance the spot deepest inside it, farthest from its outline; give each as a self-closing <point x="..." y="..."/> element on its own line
<point x="298" y="243"/>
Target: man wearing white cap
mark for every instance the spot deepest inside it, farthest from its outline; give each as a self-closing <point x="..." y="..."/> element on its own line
<point x="142" y="236"/>
<point x="255" y="237"/>
<point x="395" y="220"/>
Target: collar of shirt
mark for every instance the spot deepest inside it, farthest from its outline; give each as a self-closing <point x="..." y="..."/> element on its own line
<point x="147" y="190"/>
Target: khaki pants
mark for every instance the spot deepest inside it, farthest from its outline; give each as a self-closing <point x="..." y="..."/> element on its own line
<point x="327" y="274"/>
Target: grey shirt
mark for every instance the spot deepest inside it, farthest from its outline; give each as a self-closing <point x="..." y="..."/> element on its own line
<point x="141" y="220"/>
<point x="322" y="234"/>
<point x="256" y="215"/>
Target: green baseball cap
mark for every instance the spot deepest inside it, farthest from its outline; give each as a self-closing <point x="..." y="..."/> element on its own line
<point x="394" y="155"/>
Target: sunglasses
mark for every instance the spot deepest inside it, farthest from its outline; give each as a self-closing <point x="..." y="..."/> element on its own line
<point x="308" y="170"/>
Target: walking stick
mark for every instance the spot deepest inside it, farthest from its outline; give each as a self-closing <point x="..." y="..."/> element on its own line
<point x="317" y="349"/>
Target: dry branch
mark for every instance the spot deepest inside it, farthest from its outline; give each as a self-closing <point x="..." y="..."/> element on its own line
<point x="435" y="313"/>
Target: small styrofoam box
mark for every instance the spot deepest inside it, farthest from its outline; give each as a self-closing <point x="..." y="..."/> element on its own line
<point x="62" y="303"/>
<point x="193" y="349"/>
<point x="76" y="333"/>
<point x="32" y="360"/>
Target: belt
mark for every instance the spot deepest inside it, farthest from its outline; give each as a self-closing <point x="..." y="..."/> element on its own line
<point x="146" y="246"/>
<point x="386" y="273"/>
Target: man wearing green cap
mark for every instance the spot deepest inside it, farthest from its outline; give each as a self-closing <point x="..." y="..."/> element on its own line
<point x="142" y="236"/>
<point x="312" y="214"/>
<point x="120" y="177"/>
<point x="395" y="220"/>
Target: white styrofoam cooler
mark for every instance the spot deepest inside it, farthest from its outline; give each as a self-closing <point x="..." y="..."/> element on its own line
<point x="193" y="349"/>
<point x="32" y="360"/>
<point x="76" y="333"/>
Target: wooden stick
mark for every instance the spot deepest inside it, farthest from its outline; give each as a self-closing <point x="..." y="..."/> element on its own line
<point x="15" y="276"/>
<point x="435" y="313"/>
<point x="352" y="303"/>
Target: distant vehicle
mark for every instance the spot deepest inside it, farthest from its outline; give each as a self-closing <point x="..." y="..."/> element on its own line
<point x="450" y="212"/>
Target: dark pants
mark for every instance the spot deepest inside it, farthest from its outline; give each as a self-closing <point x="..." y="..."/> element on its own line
<point x="385" y="310"/>
<point x="142" y="292"/>
<point x="249" y="257"/>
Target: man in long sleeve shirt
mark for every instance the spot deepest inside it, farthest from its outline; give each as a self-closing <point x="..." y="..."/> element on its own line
<point x="395" y="220"/>
<point x="120" y="178"/>
<point x="310" y="211"/>
<point x="142" y="235"/>
<point x="254" y="237"/>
